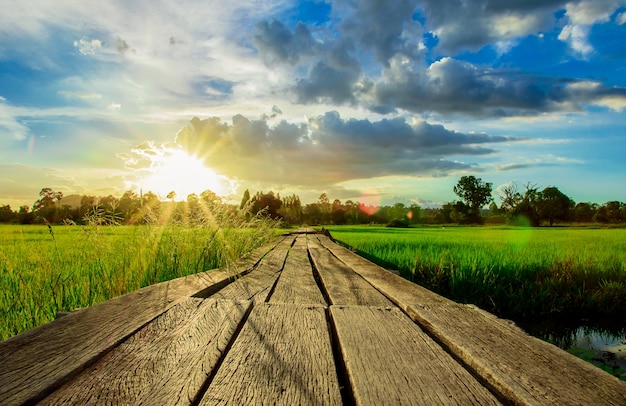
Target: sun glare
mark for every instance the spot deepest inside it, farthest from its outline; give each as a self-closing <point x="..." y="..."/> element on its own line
<point x="175" y="170"/>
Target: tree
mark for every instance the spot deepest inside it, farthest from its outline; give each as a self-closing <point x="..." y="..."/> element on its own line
<point x="584" y="212"/>
<point x="552" y="205"/>
<point x="46" y="207"/>
<point x="521" y="208"/>
<point x="6" y="214"/>
<point x="129" y="205"/>
<point x="291" y="209"/>
<point x="245" y="199"/>
<point x="270" y="203"/>
<point x="324" y="205"/>
<point x="475" y="194"/>
<point x="613" y="211"/>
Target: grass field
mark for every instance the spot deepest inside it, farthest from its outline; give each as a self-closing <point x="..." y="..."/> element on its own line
<point x="44" y="270"/>
<point x="517" y="273"/>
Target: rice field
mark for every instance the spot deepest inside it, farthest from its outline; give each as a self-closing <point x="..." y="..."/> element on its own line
<point x="517" y="273"/>
<point x="47" y="269"/>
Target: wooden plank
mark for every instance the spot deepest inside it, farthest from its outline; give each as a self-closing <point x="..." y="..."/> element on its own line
<point x="342" y="284"/>
<point x="40" y="360"/>
<point x="296" y="283"/>
<point x="390" y="360"/>
<point x="282" y="356"/>
<point x="397" y="289"/>
<point x="165" y="363"/>
<point x="531" y="378"/>
<point x="257" y="284"/>
<point x="522" y="368"/>
<point x="313" y="241"/>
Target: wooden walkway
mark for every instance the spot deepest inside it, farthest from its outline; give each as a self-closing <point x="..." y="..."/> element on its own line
<point x="303" y="321"/>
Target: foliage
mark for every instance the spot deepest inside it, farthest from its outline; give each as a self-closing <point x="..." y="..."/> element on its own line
<point x="514" y="272"/>
<point x="474" y="194"/>
<point x="530" y="208"/>
<point x="47" y="269"/>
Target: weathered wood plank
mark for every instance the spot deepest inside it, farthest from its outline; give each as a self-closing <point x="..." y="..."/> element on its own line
<point x="522" y="368"/>
<point x="167" y="362"/>
<point x="296" y="283"/>
<point x="300" y="243"/>
<point x="396" y="288"/>
<point x="390" y="360"/>
<point x="282" y="356"/>
<point x="40" y="360"/>
<point x="488" y="345"/>
<point x="256" y="285"/>
<point x="342" y="284"/>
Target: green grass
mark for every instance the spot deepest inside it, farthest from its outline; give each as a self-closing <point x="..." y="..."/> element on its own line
<point x="44" y="270"/>
<point x="517" y="273"/>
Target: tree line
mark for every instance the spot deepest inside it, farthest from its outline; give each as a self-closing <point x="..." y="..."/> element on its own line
<point x="527" y="205"/>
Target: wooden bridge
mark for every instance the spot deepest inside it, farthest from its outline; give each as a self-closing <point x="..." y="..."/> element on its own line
<point x="303" y="321"/>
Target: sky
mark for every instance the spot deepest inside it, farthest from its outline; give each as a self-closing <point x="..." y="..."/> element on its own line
<point x="368" y="100"/>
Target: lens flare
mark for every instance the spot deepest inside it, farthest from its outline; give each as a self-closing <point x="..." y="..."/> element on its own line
<point x="369" y="202"/>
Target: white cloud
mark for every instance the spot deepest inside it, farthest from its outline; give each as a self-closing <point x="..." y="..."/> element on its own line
<point x="77" y="95"/>
<point x="87" y="47"/>
<point x="9" y="122"/>
<point x="589" y="12"/>
<point x="577" y="38"/>
<point x="621" y="18"/>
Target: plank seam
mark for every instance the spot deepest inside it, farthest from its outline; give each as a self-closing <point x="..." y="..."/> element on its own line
<point x="85" y="365"/>
<point x="211" y="290"/>
<point x="207" y="383"/>
<point x="346" y="389"/>
<point x="318" y="278"/>
<point x="280" y="272"/>
<point x="433" y="336"/>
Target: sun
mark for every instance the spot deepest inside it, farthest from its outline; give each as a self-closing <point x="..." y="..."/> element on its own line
<point x="175" y="170"/>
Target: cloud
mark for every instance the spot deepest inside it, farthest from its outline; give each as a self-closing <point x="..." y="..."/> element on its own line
<point x="451" y="86"/>
<point x="9" y="122"/>
<point x="576" y="36"/>
<point x="278" y="44"/>
<point x="77" y="95"/>
<point x="582" y="15"/>
<point x="595" y="93"/>
<point x="472" y="24"/>
<point x="383" y="27"/>
<point x="620" y="19"/>
<point x="88" y="47"/>
<point x="326" y="83"/>
<point x="328" y="149"/>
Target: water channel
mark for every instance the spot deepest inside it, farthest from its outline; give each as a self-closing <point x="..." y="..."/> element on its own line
<point x="603" y="343"/>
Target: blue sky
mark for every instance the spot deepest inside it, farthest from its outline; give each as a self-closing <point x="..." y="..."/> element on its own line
<point x="352" y="98"/>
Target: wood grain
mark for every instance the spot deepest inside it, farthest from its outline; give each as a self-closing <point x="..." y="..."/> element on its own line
<point x="389" y="360"/>
<point x="164" y="363"/>
<point x="493" y="354"/>
<point x="282" y="356"/>
<point x="296" y="283"/>
<point x="397" y="289"/>
<point x="342" y="284"/>
<point x="257" y="284"/>
<point x="40" y="360"/>
<point x="522" y="368"/>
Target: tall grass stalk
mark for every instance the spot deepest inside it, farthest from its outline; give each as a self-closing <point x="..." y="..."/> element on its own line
<point x="514" y="272"/>
<point x="52" y="268"/>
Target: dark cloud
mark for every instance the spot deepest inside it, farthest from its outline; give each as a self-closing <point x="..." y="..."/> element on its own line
<point x="278" y="44"/>
<point x="472" y="24"/>
<point x="326" y="83"/>
<point x="121" y="46"/>
<point x="329" y="149"/>
<point x="450" y="86"/>
<point x="382" y="26"/>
